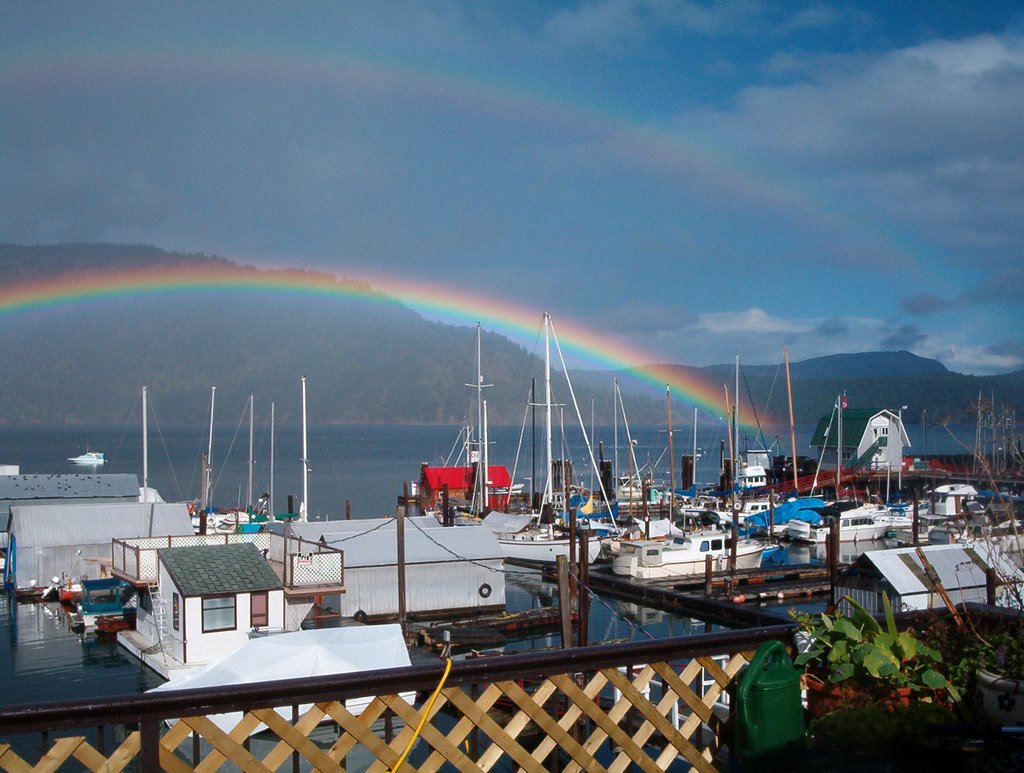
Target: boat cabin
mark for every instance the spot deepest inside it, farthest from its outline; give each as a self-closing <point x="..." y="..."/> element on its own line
<point x="952" y="499"/>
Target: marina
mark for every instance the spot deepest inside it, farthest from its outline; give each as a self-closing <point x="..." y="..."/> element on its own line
<point x="452" y="589"/>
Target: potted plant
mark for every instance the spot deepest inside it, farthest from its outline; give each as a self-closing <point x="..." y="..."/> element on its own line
<point x="984" y="652"/>
<point x="854" y="659"/>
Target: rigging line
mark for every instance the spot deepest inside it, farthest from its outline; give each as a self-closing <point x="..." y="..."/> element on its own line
<point x="125" y="428"/>
<point x="519" y="447"/>
<point x="361" y="533"/>
<point x="771" y="391"/>
<point x="576" y="406"/>
<point x="163" y="442"/>
<point x="629" y="437"/>
<point x="227" y="455"/>
<point x="456" y="444"/>
<point x="757" y="420"/>
<point x="824" y="447"/>
<point x="452" y="553"/>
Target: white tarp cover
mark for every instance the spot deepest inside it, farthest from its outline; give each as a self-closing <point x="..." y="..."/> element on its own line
<point x="660" y="527"/>
<point x="297" y="654"/>
<point x="507" y="523"/>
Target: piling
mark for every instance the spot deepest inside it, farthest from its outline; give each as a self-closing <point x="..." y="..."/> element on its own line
<point x="917" y="503"/>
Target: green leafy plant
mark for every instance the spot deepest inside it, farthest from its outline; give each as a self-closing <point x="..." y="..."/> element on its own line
<point x="857" y="649"/>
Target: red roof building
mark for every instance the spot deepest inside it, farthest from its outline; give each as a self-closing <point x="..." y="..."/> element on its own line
<point x="460" y="484"/>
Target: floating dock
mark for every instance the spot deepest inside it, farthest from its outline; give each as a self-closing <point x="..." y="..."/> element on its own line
<point x="749" y="597"/>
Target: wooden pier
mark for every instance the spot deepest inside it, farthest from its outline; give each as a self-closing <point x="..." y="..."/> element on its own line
<point x="748" y="597"/>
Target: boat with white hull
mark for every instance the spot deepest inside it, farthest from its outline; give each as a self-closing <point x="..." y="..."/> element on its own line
<point x="684" y="556"/>
<point x="522" y="538"/>
<point x="89" y="458"/>
<point x="863" y="523"/>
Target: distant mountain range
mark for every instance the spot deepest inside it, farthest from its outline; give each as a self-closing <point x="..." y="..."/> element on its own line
<point x="374" y="362"/>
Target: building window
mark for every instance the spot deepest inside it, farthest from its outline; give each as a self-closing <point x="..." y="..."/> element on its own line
<point x="260" y="609"/>
<point x="219" y="613"/>
<point x="176" y="611"/>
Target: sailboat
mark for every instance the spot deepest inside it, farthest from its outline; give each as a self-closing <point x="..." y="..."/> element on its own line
<point x="525" y="537"/>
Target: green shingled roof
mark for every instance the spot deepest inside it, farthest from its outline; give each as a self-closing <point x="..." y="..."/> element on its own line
<point x="207" y="569"/>
<point x="855" y="421"/>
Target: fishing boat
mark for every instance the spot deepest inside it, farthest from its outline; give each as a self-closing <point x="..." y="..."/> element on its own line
<point x="685" y="556"/>
<point x="94" y="458"/>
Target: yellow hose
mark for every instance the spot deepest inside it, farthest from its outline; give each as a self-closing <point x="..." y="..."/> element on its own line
<point x="426" y="713"/>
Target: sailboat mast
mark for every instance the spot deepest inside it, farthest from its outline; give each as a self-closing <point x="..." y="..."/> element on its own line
<point x="209" y="450"/>
<point x="484" y="461"/>
<point x="671" y="458"/>
<point x="736" y="427"/>
<point x="547" y="407"/>
<point x="792" y="426"/>
<point x="615" y="418"/>
<point x="732" y="452"/>
<point x="480" y="499"/>
<point x="248" y="498"/>
<point x="695" y="448"/>
<point x="839" y="448"/>
<point x="145" y="447"/>
<point x="304" y="508"/>
<point x="270" y="504"/>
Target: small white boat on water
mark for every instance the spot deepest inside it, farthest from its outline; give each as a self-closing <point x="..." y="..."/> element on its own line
<point x="523" y="538"/>
<point x="684" y="556"/>
<point x="858" y="525"/>
<point x="88" y="458"/>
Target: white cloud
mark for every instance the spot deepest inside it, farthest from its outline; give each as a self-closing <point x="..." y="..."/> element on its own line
<point x="754" y="321"/>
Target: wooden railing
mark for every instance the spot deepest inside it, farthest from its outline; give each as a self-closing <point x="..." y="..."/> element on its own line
<point x="650" y="706"/>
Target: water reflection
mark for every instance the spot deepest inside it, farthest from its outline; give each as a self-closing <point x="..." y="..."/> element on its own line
<point x="802" y="553"/>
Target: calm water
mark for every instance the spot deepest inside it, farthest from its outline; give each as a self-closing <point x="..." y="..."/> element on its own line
<point x="365" y="465"/>
<point x="40" y="659"/>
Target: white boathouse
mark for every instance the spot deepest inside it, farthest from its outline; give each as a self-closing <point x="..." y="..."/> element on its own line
<point x="73" y="541"/>
<point x="449" y="570"/>
<point x="872" y="439"/>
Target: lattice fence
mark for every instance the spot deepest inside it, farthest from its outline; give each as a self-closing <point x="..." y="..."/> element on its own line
<point x="656" y="716"/>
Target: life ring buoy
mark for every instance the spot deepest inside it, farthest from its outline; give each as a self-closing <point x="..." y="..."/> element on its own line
<point x="359" y="616"/>
<point x="485" y="590"/>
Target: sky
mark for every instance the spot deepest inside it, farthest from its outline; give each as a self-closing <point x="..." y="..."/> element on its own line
<point x="693" y="179"/>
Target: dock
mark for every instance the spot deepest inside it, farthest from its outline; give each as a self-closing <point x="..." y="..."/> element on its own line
<point x="486" y="630"/>
<point x="750" y="597"/>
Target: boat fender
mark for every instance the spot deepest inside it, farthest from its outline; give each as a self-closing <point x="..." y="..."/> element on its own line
<point x="485" y="590"/>
<point x="359" y="616"/>
<point x="739" y="599"/>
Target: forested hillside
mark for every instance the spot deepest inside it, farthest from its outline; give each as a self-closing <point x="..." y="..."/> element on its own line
<point x="375" y="361"/>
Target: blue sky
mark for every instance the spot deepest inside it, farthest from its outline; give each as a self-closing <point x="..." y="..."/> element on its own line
<point x="696" y="179"/>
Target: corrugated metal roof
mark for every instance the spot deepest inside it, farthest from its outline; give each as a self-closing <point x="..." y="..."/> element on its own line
<point x="13" y="487"/>
<point x="957" y="567"/>
<point x="207" y="569"/>
<point x="90" y="524"/>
